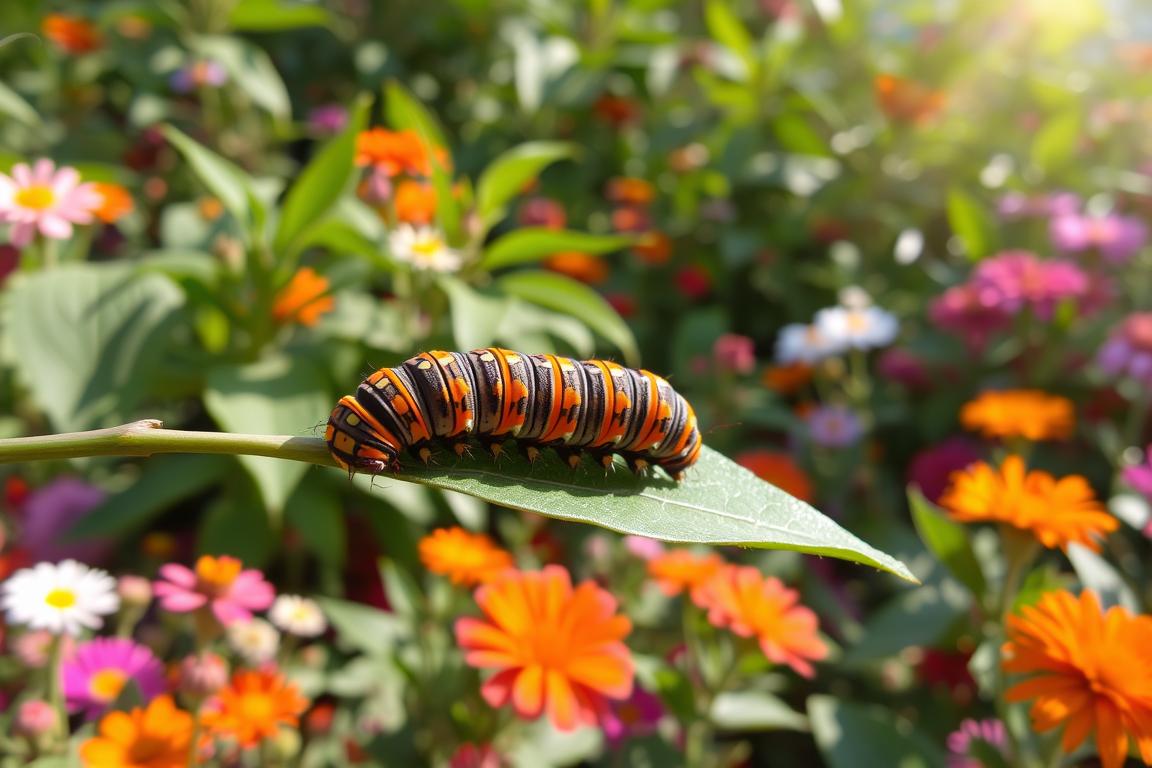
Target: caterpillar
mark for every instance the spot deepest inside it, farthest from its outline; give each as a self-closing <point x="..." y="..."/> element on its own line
<point x="496" y="394"/>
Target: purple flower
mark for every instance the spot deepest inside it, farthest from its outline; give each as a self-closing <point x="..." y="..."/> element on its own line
<point x="99" y="670"/>
<point x="200" y="74"/>
<point x="735" y="353"/>
<point x="328" y="119"/>
<point x="1015" y="280"/>
<point x="49" y="514"/>
<point x="1017" y="205"/>
<point x="931" y="468"/>
<point x="961" y="741"/>
<point x="1116" y="237"/>
<point x="834" y="426"/>
<point x="1128" y="351"/>
<point x="900" y="365"/>
<point x="635" y="716"/>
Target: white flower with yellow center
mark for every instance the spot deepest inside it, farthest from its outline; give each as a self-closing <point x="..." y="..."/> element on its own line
<point x="298" y="616"/>
<point x="62" y="598"/>
<point x="423" y="248"/>
<point x="857" y="327"/>
<point x="41" y="198"/>
<point x="255" y="640"/>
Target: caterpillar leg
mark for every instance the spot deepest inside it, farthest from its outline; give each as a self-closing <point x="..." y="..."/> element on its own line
<point x="570" y="456"/>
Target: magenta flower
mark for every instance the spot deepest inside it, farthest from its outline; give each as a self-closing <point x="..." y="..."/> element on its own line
<point x="50" y="513"/>
<point x="931" y="469"/>
<point x="99" y="670"/>
<point x="635" y="716"/>
<point x="1017" y="205"/>
<point x="1128" y="351"/>
<point x="1138" y="477"/>
<point x="970" y="732"/>
<point x="1018" y="280"/>
<point x="834" y="426"/>
<point x="217" y="583"/>
<point x="43" y="198"/>
<point x="735" y="353"/>
<point x="328" y="119"/>
<point x="968" y="312"/>
<point x="1117" y="238"/>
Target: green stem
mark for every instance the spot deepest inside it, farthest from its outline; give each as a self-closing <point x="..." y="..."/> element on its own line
<point x="55" y="689"/>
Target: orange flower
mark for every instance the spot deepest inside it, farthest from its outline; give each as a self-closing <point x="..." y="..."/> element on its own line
<point x="555" y="649"/>
<point x="1056" y="511"/>
<point x="907" y="101"/>
<point x="627" y="190"/>
<point x="415" y="202"/>
<point x="787" y="379"/>
<point x="158" y="736"/>
<point x="653" y="248"/>
<point x="1091" y="673"/>
<point x="304" y="299"/>
<point x="682" y="569"/>
<point x="780" y="469"/>
<point x="71" y="34"/>
<point x="616" y="110"/>
<point x="115" y="203"/>
<point x="741" y="599"/>
<point x="1026" y="413"/>
<point x="579" y="266"/>
<point x="465" y="558"/>
<point x="397" y="152"/>
<point x="253" y="706"/>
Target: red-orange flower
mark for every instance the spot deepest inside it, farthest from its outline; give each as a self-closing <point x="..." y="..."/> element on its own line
<point x="677" y="570"/>
<point x="115" y="203"/>
<point x="579" y="266"/>
<point x="1091" y="672"/>
<point x="71" y="34"/>
<point x="465" y="558"/>
<point x="415" y="202"/>
<point x="253" y="706"/>
<point x="397" y="152"/>
<point x="304" y="299"/>
<point x="741" y="599"/>
<point x="653" y="248"/>
<point x="556" y="649"/>
<point x="1027" y="413"/>
<point x="778" y="468"/>
<point x="787" y="379"/>
<point x="156" y="736"/>
<point x="628" y="190"/>
<point x="907" y="101"/>
<point x="1058" y="512"/>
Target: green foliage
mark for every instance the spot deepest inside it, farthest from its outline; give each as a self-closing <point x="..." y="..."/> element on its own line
<point x="948" y="541"/>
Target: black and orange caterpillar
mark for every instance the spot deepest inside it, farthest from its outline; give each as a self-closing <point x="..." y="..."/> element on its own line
<point x="494" y="394"/>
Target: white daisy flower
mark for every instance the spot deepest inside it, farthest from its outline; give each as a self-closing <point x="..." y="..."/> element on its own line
<point x="423" y="248"/>
<point x="62" y="598"/>
<point x="858" y="327"/>
<point x="255" y="640"/>
<point x="298" y="616"/>
<point x="801" y="343"/>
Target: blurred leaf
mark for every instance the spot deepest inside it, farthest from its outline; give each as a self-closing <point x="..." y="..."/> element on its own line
<point x="316" y="513"/>
<point x="250" y="68"/>
<point x="796" y="135"/>
<point x="527" y="326"/>
<point x="1055" y="144"/>
<point x="563" y="294"/>
<point x="276" y="396"/>
<point x="404" y="595"/>
<point x="320" y="184"/>
<point x="367" y="629"/>
<point x="367" y="320"/>
<point x="476" y="316"/>
<point x="727" y="29"/>
<point x="341" y="238"/>
<point x="1098" y="575"/>
<point x="274" y="16"/>
<point x="755" y="711"/>
<point x="719" y="502"/>
<point x="969" y="221"/>
<point x="234" y="524"/>
<point x="86" y="339"/>
<point x="225" y="180"/>
<point x="163" y="481"/>
<point x="947" y="540"/>
<point x="14" y="105"/>
<point x="855" y="736"/>
<point x="920" y="616"/>
<point x="532" y="244"/>
<point x="541" y="745"/>
<point x="506" y="176"/>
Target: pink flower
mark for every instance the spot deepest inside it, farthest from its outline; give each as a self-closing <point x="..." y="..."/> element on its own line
<point x="94" y="677"/>
<point x="475" y="756"/>
<point x="44" y="198"/>
<point x="218" y="583"/>
<point x="637" y="715"/>
<point x="1015" y="280"/>
<point x="1116" y="237"/>
<point x="965" y="311"/>
<point x="1128" y="351"/>
<point x="735" y="353"/>
<point x="643" y="547"/>
<point x="35" y="718"/>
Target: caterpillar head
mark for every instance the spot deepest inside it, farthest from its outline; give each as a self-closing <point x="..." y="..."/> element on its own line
<point x="355" y="444"/>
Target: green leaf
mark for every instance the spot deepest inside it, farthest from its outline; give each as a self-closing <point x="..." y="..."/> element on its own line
<point x="563" y="294"/>
<point x="948" y="541"/>
<point x="273" y="16"/>
<point x="755" y="711"/>
<point x="719" y="503"/>
<point x="404" y="595"/>
<point x="275" y="396"/>
<point x="727" y="29"/>
<point x="537" y="243"/>
<point x="365" y="628"/>
<point x="970" y="223"/>
<point x="87" y="339"/>
<point x="235" y="525"/>
<point x="316" y="513"/>
<point x="1055" y="144"/>
<point x="224" y="179"/>
<point x="251" y="69"/>
<point x="320" y="184"/>
<point x="1098" y="575"/>
<point x="476" y="317"/>
<point x="852" y="735"/>
<point x="14" y="105"/>
<point x="505" y="177"/>
<point x="920" y="616"/>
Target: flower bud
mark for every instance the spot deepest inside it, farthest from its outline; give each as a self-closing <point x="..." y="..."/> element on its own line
<point x="35" y="718"/>
<point x="203" y="674"/>
<point x="135" y="591"/>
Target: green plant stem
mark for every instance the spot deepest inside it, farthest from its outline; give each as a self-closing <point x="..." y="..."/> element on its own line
<point x="55" y="688"/>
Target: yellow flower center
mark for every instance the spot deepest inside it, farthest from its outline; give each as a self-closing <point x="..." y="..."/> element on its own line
<point x="107" y="684"/>
<point x="258" y="708"/>
<point x="216" y="574"/>
<point x="61" y="598"/>
<point x="38" y="197"/>
<point x="857" y="322"/>
<point x="428" y="248"/>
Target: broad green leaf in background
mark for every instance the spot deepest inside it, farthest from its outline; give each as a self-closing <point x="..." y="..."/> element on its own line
<point x="719" y="502"/>
<point x="365" y="628"/>
<point x="235" y="525"/>
<point x="1054" y="145"/>
<point x="275" y="16"/>
<point x="727" y="29"/>
<point x="314" y="509"/>
<point x="751" y="710"/>
<point x="948" y="541"/>
<point x="970" y="222"/>
<point x="919" y="616"/>
<point x="476" y="316"/>
<point x="1098" y="575"/>
<point x="533" y="329"/>
<point x="251" y="69"/>
<point x="506" y="176"/>
<point x="532" y="244"/>
<point x="853" y="735"/>
<point x="275" y="396"/>
<point x="320" y="184"/>
<point x="223" y="178"/>
<point x="86" y="339"/>
<point x="14" y="105"/>
<point x="563" y="294"/>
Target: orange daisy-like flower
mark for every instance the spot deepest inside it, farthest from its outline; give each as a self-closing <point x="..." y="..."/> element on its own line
<point x="780" y="469"/>
<point x="465" y="558"/>
<point x="677" y="570"/>
<point x="253" y="706"/>
<point x="156" y="736"/>
<point x="304" y="299"/>
<point x="71" y="34"/>
<point x="1026" y="413"/>
<point x="397" y="152"/>
<point x="1091" y="673"/>
<point x="556" y="649"/>
<point x="115" y="203"/>
<point x="741" y="599"/>
<point x="579" y="266"/>
<point x="628" y="190"/>
<point x="653" y="248"/>
<point x="415" y="202"/>
<point x="907" y="101"/>
<point x="1058" y="512"/>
